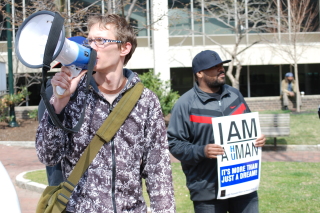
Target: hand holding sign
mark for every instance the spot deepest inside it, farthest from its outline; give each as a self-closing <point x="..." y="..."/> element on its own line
<point x="260" y="141"/>
<point x="212" y="150"/>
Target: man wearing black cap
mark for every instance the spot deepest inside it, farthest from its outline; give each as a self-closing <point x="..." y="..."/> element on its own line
<point x="191" y="139"/>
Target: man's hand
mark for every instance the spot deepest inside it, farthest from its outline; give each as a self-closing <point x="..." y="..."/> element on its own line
<point x="212" y="150"/>
<point x="64" y="80"/>
<point x="290" y="93"/>
<point x="260" y="141"/>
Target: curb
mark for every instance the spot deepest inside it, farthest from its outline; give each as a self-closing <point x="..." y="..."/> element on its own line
<point x="29" y="144"/>
<point x="20" y="180"/>
<point x="28" y="184"/>
<point x="37" y="187"/>
<point x="267" y="147"/>
<point x="291" y="147"/>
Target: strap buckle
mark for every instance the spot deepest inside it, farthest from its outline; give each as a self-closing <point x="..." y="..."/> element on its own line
<point x="45" y="66"/>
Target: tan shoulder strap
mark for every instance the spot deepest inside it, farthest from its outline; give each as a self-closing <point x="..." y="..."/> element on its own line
<point x="105" y="133"/>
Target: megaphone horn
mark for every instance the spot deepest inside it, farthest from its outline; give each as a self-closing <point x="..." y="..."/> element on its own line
<point x="32" y="38"/>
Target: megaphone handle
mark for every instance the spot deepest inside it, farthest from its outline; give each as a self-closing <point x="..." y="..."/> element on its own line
<point x="74" y="73"/>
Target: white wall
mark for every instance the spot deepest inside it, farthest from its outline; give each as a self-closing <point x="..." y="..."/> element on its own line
<point x="3" y="77"/>
<point x="181" y="56"/>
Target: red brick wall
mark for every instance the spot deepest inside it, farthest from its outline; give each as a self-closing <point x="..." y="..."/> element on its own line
<point x="309" y="102"/>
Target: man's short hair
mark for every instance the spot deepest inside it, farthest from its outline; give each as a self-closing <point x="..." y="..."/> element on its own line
<point x="124" y="32"/>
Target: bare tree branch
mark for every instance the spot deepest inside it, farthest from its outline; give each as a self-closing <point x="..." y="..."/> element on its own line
<point x="130" y="10"/>
<point x="297" y="19"/>
<point x="241" y="19"/>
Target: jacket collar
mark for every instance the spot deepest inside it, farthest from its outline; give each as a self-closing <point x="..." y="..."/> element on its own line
<point x="204" y="97"/>
<point x="131" y="76"/>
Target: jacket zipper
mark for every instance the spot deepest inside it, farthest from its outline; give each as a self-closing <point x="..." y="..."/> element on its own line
<point x="113" y="186"/>
<point x="220" y="105"/>
<point x="113" y="178"/>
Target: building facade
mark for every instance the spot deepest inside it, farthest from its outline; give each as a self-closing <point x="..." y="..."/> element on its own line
<point x="170" y="33"/>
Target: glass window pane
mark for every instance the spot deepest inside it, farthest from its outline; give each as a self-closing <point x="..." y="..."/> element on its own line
<point x="3" y="34"/>
<point x="79" y="16"/>
<point x="181" y="79"/>
<point x="197" y="22"/>
<point x="309" y="78"/>
<point x="138" y="18"/>
<point x="243" y="80"/>
<point x="264" y="80"/>
<point x="179" y="17"/>
<point x="140" y="71"/>
<point x="214" y="25"/>
<point x="314" y="6"/>
<point x="317" y="19"/>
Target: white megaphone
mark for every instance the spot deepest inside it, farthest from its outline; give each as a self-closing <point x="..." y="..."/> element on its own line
<point x="32" y="38"/>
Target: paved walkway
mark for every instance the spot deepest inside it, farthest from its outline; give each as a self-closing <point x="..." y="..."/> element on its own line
<point x="18" y="159"/>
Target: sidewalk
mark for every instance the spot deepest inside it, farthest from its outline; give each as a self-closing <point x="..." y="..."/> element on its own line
<point x="18" y="159"/>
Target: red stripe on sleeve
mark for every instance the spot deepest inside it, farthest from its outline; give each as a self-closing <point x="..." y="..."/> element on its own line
<point x="239" y="110"/>
<point x="201" y="119"/>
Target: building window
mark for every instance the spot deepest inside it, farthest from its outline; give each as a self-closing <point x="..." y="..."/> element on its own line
<point x="140" y="71"/>
<point x="181" y="79"/>
<point x="213" y="25"/>
<point x="138" y="18"/>
<point x="309" y="78"/>
<point x="3" y="34"/>
<point x="179" y="17"/>
<point x="264" y="80"/>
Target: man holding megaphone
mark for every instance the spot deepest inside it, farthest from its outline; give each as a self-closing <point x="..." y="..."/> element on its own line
<point x="137" y="149"/>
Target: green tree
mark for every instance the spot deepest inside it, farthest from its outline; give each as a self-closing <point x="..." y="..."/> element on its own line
<point x="167" y="96"/>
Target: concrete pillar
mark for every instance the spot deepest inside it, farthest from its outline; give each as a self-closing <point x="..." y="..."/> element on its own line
<point x="160" y="38"/>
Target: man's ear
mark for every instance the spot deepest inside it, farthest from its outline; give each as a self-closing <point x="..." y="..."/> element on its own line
<point x="199" y="74"/>
<point x="125" y="49"/>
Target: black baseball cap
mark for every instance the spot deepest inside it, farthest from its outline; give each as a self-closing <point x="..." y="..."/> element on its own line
<point x="205" y="60"/>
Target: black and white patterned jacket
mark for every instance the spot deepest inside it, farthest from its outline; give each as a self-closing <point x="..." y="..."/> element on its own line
<point x="140" y="151"/>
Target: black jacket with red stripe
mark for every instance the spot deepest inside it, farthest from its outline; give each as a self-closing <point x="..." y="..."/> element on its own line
<point x="190" y="129"/>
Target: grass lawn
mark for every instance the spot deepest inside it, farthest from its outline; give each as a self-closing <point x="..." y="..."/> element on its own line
<point x="285" y="187"/>
<point x="289" y="187"/>
<point x="304" y="129"/>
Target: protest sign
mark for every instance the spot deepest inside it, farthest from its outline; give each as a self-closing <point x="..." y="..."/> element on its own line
<point x="240" y="166"/>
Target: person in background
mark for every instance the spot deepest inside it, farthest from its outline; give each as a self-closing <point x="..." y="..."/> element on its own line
<point x="191" y="140"/>
<point x="113" y="181"/>
<point x="288" y="91"/>
<point x="54" y="173"/>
